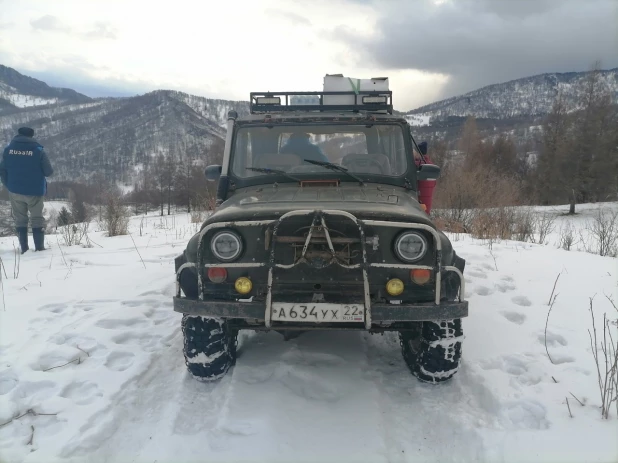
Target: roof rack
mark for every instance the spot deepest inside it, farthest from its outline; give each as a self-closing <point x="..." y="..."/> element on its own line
<point x="362" y="100"/>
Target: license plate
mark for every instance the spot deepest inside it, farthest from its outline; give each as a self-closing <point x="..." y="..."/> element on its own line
<point x="317" y="312"/>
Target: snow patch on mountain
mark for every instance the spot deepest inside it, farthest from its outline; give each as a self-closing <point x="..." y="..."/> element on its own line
<point x="25" y="101"/>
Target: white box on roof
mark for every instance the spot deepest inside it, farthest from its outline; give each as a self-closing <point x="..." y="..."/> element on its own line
<point x="340" y="83"/>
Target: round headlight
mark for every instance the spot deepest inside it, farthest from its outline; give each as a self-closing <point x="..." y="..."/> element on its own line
<point x="410" y="246"/>
<point x="226" y="246"/>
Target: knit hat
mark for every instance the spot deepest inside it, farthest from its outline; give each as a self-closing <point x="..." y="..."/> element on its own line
<point x="26" y="132"/>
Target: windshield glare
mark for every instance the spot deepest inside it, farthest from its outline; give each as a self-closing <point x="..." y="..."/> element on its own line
<point x="365" y="151"/>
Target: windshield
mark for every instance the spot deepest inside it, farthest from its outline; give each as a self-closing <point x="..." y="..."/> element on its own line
<point x="366" y="151"/>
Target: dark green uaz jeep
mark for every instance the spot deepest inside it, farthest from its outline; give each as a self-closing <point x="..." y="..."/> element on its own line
<point x="318" y="226"/>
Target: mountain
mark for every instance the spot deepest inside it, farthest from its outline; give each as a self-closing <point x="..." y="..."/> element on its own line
<point x="20" y="91"/>
<point x="115" y="137"/>
<point x="521" y="98"/>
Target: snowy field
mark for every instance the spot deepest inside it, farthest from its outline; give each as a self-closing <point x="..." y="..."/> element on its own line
<point x="91" y="366"/>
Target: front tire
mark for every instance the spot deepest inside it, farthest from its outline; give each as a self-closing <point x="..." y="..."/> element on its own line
<point x="209" y="346"/>
<point x="432" y="350"/>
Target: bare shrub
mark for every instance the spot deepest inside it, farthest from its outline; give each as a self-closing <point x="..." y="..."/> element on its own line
<point x="544" y="225"/>
<point x="75" y="234"/>
<point x="493" y="223"/>
<point x="202" y="207"/>
<point x="606" y="361"/>
<point x="567" y="237"/>
<point x="479" y="200"/>
<point x="6" y="219"/>
<point x="604" y="231"/>
<point x="445" y="224"/>
<point x="115" y="214"/>
<point x="198" y="216"/>
<point x="524" y="226"/>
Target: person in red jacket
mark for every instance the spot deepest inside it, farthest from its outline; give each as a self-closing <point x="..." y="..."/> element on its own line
<point x="425" y="187"/>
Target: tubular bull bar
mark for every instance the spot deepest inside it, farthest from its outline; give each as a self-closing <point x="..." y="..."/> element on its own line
<point x="384" y="312"/>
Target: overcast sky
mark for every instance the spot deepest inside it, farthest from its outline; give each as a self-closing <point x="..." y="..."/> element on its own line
<point x="430" y="49"/>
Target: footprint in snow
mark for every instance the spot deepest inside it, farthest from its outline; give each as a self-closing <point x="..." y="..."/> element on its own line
<point x="119" y="361"/>
<point x="147" y="341"/>
<point x="477" y="274"/>
<point x="82" y="392"/>
<point x="514" y="317"/>
<point x="56" y="358"/>
<point x="8" y="381"/>
<point x="504" y="287"/>
<point x="552" y="339"/>
<point x="559" y="359"/>
<point x="526" y="414"/>
<point x="83" y="344"/>
<point x="119" y="323"/>
<point x="54" y="308"/>
<point x="522" y="301"/>
<point x="483" y="290"/>
<point x="159" y="316"/>
<point x="517" y="367"/>
<point x="510" y="364"/>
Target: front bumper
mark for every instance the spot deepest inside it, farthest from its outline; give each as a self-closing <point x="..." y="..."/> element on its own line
<point x="380" y="313"/>
<point x="376" y="314"/>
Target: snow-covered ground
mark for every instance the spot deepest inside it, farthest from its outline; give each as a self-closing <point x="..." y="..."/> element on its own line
<point x="91" y="353"/>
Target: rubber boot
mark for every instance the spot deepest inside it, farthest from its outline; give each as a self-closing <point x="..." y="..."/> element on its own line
<point x="22" y="235"/>
<point x="38" y="235"/>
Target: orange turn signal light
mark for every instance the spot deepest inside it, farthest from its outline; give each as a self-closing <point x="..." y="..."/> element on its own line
<point x="217" y="274"/>
<point x="420" y="276"/>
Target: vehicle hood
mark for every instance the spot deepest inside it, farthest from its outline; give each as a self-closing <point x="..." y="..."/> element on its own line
<point x="371" y="201"/>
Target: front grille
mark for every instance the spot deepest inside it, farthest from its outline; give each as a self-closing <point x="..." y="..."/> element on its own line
<point x="333" y="241"/>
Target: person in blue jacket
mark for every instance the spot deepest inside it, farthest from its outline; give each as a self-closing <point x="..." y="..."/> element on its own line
<point x="23" y="170"/>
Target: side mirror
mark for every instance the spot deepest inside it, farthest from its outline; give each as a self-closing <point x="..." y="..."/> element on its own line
<point x="422" y="146"/>
<point x="213" y="173"/>
<point x="428" y="172"/>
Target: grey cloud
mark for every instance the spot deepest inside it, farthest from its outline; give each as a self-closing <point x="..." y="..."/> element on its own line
<point x="480" y="42"/>
<point x="50" y="23"/>
<point x="98" y="30"/>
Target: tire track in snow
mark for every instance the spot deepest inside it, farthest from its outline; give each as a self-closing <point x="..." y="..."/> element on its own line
<point x="324" y="396"/>
<point x="424" y="422"/>
<point x="283" y="401"/>
<point x="300" y="400"/>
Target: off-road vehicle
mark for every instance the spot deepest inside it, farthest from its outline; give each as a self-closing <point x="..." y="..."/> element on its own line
<point x="318" y="226"/>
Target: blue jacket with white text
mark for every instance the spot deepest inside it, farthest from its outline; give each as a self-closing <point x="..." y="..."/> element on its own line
<point x="24" y="167"/>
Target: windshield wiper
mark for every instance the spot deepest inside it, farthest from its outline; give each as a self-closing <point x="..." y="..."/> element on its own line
<point x="335" y="167"/>
<point x="266" y="170"/>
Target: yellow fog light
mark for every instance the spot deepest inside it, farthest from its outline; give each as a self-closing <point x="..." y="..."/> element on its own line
<point x="243" y="285"/>
<point x="394" y="287"/>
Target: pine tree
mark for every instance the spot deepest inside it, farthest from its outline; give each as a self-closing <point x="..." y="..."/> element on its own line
<point x="64" y="217"/>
